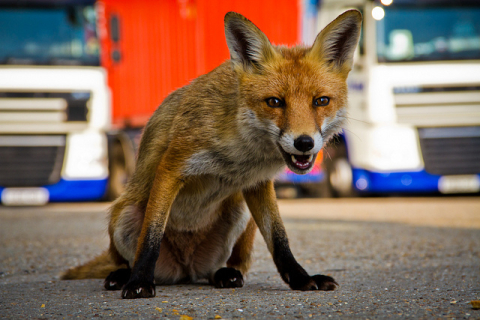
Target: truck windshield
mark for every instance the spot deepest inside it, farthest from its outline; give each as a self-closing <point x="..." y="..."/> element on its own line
<point x="52" y="35"/>
<point x="428" y="34"/>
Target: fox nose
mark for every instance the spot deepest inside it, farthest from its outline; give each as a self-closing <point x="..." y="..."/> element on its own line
<point x="304" y="143"/>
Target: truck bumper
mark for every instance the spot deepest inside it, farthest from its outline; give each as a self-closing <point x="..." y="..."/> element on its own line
<point x="365" y="181"/>
<point x="62" y="191"/>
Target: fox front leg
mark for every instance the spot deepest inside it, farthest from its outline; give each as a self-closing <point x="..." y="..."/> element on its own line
<point x="261" y="201"/>
<point x="165" y="188"/>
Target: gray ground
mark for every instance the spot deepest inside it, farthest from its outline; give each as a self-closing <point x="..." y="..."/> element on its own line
<point x="393" y="258"/>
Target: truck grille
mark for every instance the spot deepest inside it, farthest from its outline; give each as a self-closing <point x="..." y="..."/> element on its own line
<point x="44" y="107"/>
<point x="31" y="160"/>
<point x="451" y="151"/>
<point x="449" y="105"/>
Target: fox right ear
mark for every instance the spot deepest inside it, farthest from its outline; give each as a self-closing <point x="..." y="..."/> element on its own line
<point x="336" y="43"/>
<point x="249" y="48"/>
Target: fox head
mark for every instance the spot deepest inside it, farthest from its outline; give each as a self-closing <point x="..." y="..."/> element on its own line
<point x="296" y="95"/>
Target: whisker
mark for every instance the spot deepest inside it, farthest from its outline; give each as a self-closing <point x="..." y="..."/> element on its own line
<point x="351" y="132"/>
<point x="328" y="154"/>
<point x="350" y="118"/>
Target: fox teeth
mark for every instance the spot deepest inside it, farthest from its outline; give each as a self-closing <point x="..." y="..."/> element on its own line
<point x="310" y="158"/>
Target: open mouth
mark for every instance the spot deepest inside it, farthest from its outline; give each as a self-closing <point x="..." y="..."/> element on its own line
<point x="299" y="163"/>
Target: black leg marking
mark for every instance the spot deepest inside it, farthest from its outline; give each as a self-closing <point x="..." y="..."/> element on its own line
<point x="117" y="279"/>
<point x="293" y="273"/>
<point x="141" y="283"/>
<point x="228" y="278"/>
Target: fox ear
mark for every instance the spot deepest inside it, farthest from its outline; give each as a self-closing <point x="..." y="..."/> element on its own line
<point x="249" y="48"/>
<point x="336" y="43"/>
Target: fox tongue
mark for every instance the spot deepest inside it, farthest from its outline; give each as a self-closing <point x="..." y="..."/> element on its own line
<point x="301" y="161"/>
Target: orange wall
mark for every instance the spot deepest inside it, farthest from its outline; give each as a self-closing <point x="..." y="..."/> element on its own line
<point x="164" y="44"/>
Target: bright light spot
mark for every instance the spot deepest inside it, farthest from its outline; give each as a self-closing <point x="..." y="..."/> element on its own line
<point x="361" y="184"/>
<point x="386" y="2"/>
<point x="378" y="13"/>
<point x="406" y="180"/>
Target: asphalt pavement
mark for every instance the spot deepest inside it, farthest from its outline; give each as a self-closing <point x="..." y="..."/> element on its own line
<point x="393" y="258"/>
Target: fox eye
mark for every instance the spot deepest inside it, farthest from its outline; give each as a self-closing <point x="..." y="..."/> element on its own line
<point x="273" y="102"/>
<point x="321" y="102"/>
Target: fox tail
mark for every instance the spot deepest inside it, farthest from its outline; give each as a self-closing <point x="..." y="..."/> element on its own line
<point x="99" y="267"/>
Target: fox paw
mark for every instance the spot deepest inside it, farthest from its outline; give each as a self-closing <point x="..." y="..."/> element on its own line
<point x="316" y="282"/>
<point x="324" y="283"/>
<point x="135" y="290"/>
<point x="117" y="279"/>
<point x="228" y="278"/>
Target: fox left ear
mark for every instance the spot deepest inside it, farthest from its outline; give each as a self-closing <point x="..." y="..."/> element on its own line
<point x="336" y="43"/>
<point x="249" y="48"/>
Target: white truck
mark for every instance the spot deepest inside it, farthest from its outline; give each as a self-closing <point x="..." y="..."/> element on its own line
<point x="414" y="99"/>
<point x="54" y="103"/>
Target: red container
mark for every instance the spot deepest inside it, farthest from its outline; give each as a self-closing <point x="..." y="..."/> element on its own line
<point x="152" y="47"/>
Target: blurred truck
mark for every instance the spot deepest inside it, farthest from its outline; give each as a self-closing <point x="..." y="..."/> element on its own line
<point x="80" y="78"/>
<point x="414" y="99"/>
<point x="54" y="103"/>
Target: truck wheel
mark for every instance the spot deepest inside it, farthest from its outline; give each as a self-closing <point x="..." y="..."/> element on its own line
<point x="121" y="158"/>
<point x="118" y="173"/>
<point x="288" y="191"/>
<point x="339" y="179"/>
<point x="316" y="190"/>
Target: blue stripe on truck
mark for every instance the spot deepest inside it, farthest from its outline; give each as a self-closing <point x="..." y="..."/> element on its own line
<point x="414" y="181"/>
<point x="77" y="190"/>
<point x="409" y="181"/>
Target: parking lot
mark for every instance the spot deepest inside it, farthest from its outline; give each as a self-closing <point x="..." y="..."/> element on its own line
<point x="393" y="257"/>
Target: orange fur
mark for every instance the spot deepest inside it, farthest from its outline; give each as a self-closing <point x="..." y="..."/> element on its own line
<point x="99" y="267"/>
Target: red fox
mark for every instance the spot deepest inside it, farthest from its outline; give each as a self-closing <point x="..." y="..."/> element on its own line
<point x="208" y="156"/>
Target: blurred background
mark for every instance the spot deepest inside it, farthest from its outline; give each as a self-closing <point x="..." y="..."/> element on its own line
<point x="80" y="78"/>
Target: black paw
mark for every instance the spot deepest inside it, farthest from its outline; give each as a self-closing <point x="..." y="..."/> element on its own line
<point x="325" y="283"/>
<point x="138" y="289"/>
<point x="316" y="282"/>
<point x="228" y="278"/>
<point x="117" y="279"/>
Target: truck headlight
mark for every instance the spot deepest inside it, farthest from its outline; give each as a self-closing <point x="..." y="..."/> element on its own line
<point x="394" y="148"/>
<point x="86" y="156"/>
